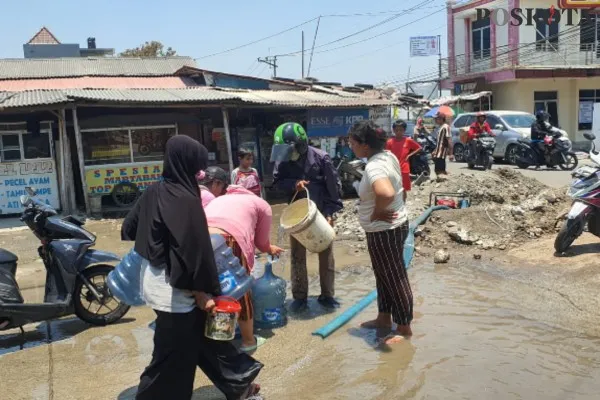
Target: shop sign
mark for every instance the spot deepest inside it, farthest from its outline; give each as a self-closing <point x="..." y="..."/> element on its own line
<point x="37" y="174"/>
<point x="337" y="122"/>
<point x="423" y="46"/>
<point x="465" y="88"/>
<point x="382" y="116"/>
<point x="101" y="180"/>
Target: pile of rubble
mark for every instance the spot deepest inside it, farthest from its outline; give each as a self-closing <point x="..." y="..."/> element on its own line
<point x="507" y="209"/>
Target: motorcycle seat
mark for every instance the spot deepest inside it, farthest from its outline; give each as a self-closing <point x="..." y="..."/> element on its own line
<point x="73" y="220"/>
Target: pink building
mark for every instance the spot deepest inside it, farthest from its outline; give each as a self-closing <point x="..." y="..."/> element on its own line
<point x="543" y="63"/>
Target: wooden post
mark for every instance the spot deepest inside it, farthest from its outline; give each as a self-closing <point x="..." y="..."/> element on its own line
<point x="79" y="144"/>
<point x="228" y="138"/>
<point x="63" y="179"/>
<point x="68" y="166"/>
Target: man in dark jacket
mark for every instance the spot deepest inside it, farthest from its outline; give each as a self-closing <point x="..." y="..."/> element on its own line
<point x="539" y="129"/>
<point x="300" y="168"/>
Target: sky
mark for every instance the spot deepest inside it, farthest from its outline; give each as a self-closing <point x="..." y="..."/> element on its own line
<point x="200" y="29"/>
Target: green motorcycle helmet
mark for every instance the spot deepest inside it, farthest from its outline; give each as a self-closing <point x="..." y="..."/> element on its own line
<point x="290" y="142"/>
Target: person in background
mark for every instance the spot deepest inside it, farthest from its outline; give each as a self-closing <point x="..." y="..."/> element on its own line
<point x="244" y="175"/>
<point x="205" y="195"/>
<point x="403" y="148"/>
<point x="298" y="168"/>
<point x="244" y="220"/>
<point x="420" y="129"/>
<point x="215" y="180"/>
<point x="477" y="128"/>
<point x="444" y="145"/>
<point x="179" y="280"/>
<point x="383" y="216"/>
<point x="539" y="130"/>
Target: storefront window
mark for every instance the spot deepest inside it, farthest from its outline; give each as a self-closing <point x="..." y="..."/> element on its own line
<point x="149" y="143"/>
<point x="106" y="147"/>
<point x="11" y="147"/>
<point x="36" y="146"/>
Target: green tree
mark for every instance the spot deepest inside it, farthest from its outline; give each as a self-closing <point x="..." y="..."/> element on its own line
<point x="149" y="49"/>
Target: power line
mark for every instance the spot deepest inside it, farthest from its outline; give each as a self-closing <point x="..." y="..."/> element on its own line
<point x="369" y="28"/>
<point x="374" y="51"/>
<point x="258" y="40"/>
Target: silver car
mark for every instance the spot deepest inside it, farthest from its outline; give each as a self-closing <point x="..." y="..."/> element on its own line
<point x="508" y="126"/>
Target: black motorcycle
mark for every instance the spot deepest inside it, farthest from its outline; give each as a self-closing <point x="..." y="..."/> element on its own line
<point x="75" y="273"/>
<point x="484" y="150"/>
<point x="558" y="152"/>
<point x="419" y="162"/>
<point x="348" y="173"/>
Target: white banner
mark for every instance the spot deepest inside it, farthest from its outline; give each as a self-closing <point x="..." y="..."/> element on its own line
<point x="382" y="116"/>
<point x="423" y="46"/>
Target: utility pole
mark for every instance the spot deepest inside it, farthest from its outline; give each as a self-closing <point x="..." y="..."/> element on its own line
<point x="271" y="62"/>
<point x="302" y="54"/>
<point x="440" y="63"/>
<point x="312" y="50"/>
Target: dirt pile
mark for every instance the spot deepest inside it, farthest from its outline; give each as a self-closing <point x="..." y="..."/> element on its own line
<point x="507" y="209"/>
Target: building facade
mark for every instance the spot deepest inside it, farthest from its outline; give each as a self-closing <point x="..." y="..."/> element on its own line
<point x="547" y="59"/>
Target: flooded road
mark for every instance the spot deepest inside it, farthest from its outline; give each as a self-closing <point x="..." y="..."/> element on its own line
<point x="472" y="341"/>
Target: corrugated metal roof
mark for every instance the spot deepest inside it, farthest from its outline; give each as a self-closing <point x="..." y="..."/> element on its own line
<point x="91" y="66"/>
<point x="191" y="95"/>
<point x="284" y="98"/>
<point x="31" y="98"/>
<point x="299" y="98"/>
<point x="98" y="82"/>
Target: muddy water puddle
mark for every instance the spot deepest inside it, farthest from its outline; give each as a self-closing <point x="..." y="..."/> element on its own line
<point x="471" y="342"/>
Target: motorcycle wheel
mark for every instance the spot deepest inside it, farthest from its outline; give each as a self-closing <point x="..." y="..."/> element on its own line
<point x="571" y="162"/>
<point x="567" y="235"/>
<point x="490" y="162"/>
<point x="520" y="161"/>
<point x="470" y="165"/>
<point x="125" y="194"/>
<point x="115" y="310"/>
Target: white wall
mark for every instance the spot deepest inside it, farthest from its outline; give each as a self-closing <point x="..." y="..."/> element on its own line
<point x="459" y="37"/>
<point x="527" y="33"/>
<point x="518" y="95"/>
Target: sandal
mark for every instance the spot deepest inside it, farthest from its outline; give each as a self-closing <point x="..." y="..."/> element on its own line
<point x="259" y="342"/>
<point x="393" y="336"/>
<point x="252" y="392"/>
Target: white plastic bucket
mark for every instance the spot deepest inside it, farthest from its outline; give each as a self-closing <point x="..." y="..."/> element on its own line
<point x="306" y="224"/>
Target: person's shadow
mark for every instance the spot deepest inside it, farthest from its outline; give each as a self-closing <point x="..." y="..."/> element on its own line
<point x="202" y="393"/>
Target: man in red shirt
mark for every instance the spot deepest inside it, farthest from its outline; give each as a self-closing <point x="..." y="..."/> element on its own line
<point x="477" y="128"/>
<point x="403" y="148"/>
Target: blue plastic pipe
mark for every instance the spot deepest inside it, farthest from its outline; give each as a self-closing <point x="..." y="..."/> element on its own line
<point x="409" y="251"/>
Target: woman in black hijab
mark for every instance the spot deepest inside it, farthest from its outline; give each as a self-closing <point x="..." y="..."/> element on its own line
<point x="179" y="278"/>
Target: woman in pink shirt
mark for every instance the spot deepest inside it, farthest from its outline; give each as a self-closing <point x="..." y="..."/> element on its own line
<point x="244" y="219"/>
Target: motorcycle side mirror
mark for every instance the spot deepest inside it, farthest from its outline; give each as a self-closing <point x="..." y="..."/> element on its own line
<point x="589" y="137"/>
<point x="499" y="127"/>
<point x="30" y="191"/>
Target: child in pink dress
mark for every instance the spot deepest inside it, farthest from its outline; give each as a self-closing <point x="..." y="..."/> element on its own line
<point x="246" y="176"/>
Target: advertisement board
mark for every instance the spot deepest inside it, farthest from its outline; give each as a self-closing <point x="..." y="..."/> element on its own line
<point x="424" y="46"/>
<point x="333" y="122"/>
<point x="382" y="116"/>
<point x="101" y="179"/>
<point x="16" y="176"/>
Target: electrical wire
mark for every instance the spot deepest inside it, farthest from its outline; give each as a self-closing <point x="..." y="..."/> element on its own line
<point x="258" y="40"/>
<point x="369" y="28"/>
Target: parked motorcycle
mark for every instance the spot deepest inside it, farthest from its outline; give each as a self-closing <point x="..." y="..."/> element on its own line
<point x="419" y="162"/>
<point x="585" y="191"/>
<point x="484" y="148"/>
<point x="349" y="172"/>
<point x="75" y="273"/>
<point x="558" y="152"/>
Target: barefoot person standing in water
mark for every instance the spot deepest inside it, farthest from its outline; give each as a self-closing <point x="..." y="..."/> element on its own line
<point x="384" y="218"/>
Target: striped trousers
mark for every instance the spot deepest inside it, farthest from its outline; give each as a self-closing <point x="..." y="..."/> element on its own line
<point x="394" y="295"/>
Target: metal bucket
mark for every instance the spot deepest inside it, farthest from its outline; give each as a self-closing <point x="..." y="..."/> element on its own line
<point x="221" y="324"/>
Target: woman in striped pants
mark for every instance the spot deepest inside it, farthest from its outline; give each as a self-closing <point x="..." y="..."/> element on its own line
<point x="384" y="218"/>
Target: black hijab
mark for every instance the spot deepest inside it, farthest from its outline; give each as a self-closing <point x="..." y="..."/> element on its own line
<point x="168" y="223"/>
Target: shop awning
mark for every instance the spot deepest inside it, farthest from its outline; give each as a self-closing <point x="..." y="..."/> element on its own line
<point x="447" y="100"/>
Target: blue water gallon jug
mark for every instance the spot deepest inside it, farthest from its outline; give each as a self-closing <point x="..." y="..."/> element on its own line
<point x="124" y="280"/>
<point x="235" y="280"/>
<point x="268" y="296"/>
